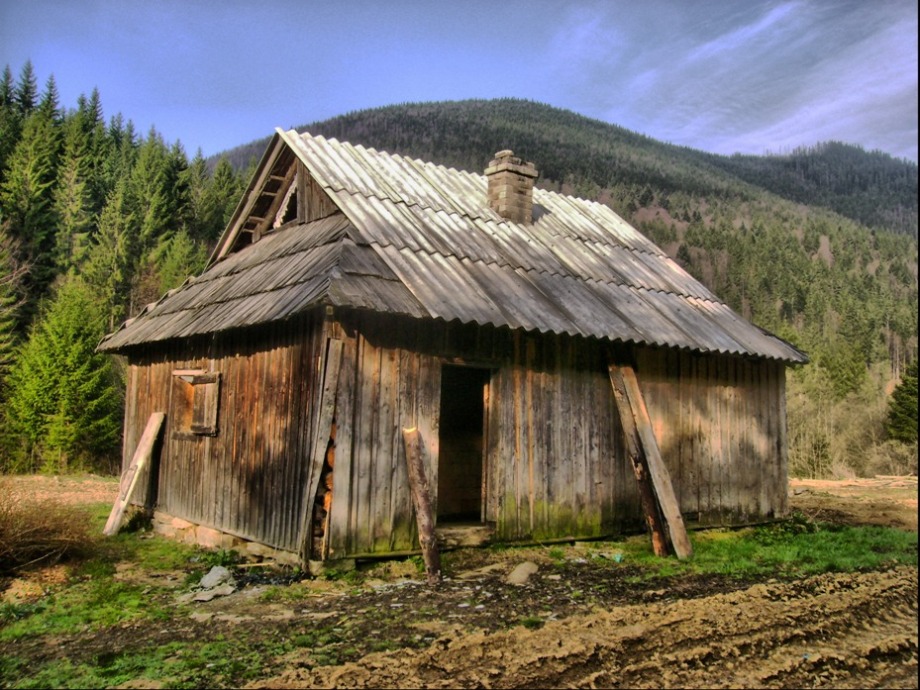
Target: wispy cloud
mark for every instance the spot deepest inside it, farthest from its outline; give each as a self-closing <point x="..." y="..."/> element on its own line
<point x="756" y="77"/>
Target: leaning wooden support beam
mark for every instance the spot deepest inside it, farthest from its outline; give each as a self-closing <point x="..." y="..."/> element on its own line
<point x="320" y="442"/>
<point x="657" y="470"/>
<point x="421" y="499"/>
<point x="647" y="498"/>
<point x="142" y="455"/>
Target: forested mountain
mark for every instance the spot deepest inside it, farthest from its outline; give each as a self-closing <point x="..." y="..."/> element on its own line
<point x="818" y="246"/>
<point x="870" y="187"/>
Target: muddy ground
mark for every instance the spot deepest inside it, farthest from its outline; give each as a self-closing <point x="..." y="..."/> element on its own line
<point x="572" y="624"/>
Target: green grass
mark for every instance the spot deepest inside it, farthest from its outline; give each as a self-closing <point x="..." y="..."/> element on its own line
<point x="792" y="548"/>
<point x="84" y="606"/>
<point x="225" y="663"/>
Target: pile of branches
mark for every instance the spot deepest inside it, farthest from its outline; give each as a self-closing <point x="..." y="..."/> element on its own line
<point x="36" y="533"/>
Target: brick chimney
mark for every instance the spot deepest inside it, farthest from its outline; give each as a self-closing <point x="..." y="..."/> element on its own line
<point x="511" y="187"/>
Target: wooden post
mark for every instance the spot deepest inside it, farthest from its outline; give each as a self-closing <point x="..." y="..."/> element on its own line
<point x="321" y="436"/>
<point x="129" y="477"/>
<point x="657" y="471"/>
<point x="421" y="499"/>
<point x="633" y="449"/>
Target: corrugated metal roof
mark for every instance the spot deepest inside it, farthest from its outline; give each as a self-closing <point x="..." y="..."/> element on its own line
<point x="419" y="239"/>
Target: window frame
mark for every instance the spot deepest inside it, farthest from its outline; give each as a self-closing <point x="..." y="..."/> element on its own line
<point x="195" y="403"/>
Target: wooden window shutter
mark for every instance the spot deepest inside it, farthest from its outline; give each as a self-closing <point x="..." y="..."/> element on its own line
<point x="205" y="404"/>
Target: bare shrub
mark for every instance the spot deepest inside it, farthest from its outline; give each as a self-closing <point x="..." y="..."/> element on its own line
<point x="893" y="458"/>
<point x="40" y="533"/>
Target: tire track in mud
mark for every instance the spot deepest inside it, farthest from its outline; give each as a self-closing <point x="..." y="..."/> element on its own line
<point x="850" y="630"/>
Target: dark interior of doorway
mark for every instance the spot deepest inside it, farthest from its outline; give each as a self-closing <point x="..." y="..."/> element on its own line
<point x="460" y="464"/>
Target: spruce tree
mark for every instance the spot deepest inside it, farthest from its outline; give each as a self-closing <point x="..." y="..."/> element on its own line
<point x="65" y="399"/>
<point x="27" y="201"/>
<point x="10" y="302"/>
<point x="179" y="258"/>
<point x="72" y="198"/>
<point x="902" y="408"/>
<point x="220" y="201"/>
<point x="150" y="193"/>
<point x="10" y="120"/>
<point x="26" y="91"/>
<point x="109" y="266"/>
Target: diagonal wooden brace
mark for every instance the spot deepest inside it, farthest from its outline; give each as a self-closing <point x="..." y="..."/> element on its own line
<point x="662" y="512"/>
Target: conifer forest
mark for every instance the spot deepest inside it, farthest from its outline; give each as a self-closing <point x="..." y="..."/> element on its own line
<point x="818" y="245"/>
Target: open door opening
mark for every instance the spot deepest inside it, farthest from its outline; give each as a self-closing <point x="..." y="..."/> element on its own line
<point x="460" y="455"/>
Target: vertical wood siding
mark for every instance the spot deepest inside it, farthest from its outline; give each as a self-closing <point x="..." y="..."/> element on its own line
<point x="721" y="425"/>
<point x="555" y="464"/>
<point x="248" y="479"/>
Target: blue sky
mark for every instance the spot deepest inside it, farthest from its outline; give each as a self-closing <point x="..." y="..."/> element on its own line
<point x="750" y="76"/>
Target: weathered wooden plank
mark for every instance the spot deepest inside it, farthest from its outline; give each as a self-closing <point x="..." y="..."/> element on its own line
<point x="421" y="498"/>
<point x="341" y="516"/>
<point x="333" y="362"/>
<point x="730" y="507"/>
<point x="782" y="441"/>
<point x="531" y="400"/>
<point x="386" y="445"/>
<point x="407" y="402"/>
<point x="658" y="472"/>
<point x="129" y="478"/>
<point x="651" y="510"/>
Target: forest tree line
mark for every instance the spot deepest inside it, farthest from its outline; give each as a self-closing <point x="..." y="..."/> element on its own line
<point x="96" y="221"/>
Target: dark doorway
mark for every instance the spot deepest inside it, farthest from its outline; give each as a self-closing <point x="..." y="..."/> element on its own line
<point x="460" y="461"/>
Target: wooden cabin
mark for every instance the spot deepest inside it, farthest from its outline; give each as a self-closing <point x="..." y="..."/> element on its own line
<point x="356" y="293"/>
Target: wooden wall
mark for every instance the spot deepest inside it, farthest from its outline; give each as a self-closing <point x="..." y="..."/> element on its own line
<point x="554" y="457"/>
<point x="721" y="425"/>
<point x="554" y="464"/>
<point x="248" y="479"/>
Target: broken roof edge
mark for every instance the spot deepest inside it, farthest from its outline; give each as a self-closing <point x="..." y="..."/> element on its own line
<point x="230" y="233"/>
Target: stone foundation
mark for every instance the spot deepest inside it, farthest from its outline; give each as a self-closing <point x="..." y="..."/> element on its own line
<point x="208" y="537"/>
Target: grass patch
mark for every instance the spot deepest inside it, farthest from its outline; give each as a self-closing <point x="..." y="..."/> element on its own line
<point x="83" y="606"/>
<point x="792" y="548"/>
<point x="532" y="622"/>
<point x="219" y="663"/>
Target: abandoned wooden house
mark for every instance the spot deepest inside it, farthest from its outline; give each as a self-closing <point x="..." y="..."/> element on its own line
<point x="355" y="294"/>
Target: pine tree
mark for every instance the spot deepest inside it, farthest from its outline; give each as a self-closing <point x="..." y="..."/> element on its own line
<point x="10" y="120"/>
<point x="902" y="408"/>
<point x="72" y="200"/>
<point x="109" y="266"/>
<point x="65" y="399"/>
<point x="27" y="201"/>
<point x="10" y="301"/>
<point x="26" y="90"/>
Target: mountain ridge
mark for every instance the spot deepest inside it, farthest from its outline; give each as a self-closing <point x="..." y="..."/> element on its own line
<point x="869" y="187"/>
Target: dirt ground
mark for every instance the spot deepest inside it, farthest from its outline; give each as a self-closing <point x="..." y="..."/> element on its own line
<point x="570" y="625"/>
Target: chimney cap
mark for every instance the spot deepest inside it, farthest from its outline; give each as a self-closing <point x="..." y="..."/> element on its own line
<point x="506" y="160"/>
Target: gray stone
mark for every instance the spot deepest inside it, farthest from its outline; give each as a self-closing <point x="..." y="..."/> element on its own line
<point x="208" y="594"/>
<point x="522" y="573"/>
<point x="218" y="575"/>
